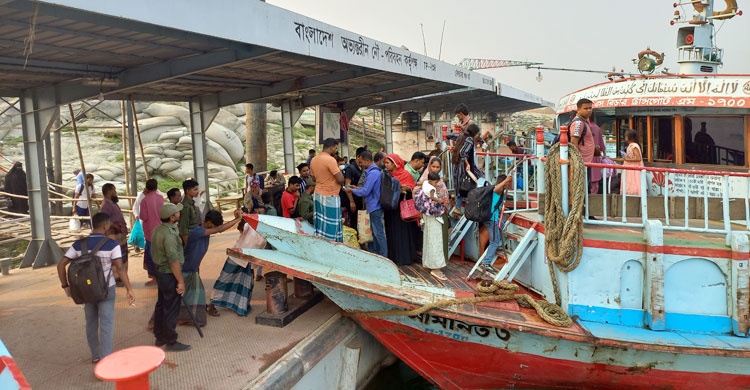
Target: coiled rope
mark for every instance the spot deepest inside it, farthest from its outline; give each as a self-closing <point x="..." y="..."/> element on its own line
<point x="563" y="239"/>
<point x="487" y="291"/>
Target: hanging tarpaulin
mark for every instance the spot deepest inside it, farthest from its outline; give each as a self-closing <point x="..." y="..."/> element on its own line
<point x="344" y="122"/>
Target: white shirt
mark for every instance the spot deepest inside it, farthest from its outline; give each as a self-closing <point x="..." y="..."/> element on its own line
<point x="427" y="188"/>
<point x="81" y="199"/>
<point x="137" y="204"/>
<point x="110" y="251"/>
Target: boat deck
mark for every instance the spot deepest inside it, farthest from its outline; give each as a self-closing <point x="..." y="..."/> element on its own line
<point x="504" y="311"/>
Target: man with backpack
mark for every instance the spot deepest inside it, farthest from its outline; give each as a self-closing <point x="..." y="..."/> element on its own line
<point x="476" y="210"/>
<point x="89" y="280"/>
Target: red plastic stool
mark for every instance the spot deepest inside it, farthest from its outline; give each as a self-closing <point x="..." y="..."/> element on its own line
<point x="129" y="368"/>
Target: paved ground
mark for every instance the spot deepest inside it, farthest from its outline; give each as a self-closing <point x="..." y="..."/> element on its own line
<point x="44" y="330"/>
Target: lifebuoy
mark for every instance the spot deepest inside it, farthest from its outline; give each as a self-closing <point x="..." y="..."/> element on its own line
<point x="727" y="13"/>
<point x="659" y="57"/>
<point x="689" y="39"/>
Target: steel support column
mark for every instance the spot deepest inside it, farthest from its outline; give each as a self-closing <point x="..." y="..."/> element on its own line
<point x="388" y="119"/>
<point x="290" y="114"/>
<point x="203" y="110"/>
<point x="36" y="122"/>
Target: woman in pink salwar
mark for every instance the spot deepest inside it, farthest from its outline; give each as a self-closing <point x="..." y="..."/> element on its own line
<point x="633" y="158"/>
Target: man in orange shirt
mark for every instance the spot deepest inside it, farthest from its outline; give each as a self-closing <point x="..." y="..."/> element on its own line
<point x="329" y="179"/>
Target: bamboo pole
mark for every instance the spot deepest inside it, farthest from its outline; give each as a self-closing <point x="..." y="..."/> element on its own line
<point x="83" y="166"/>
<point x="138" y="134"/>
<point x="125" y="160"/>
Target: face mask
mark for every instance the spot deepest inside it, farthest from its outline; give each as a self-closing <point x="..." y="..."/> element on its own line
<point x="342" y="167"/>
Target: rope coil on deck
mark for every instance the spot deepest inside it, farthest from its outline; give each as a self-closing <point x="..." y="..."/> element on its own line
<point x="563" y="242"/>
<point x="488" y="292"/>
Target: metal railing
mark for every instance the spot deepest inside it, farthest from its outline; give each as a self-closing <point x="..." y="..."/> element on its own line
<point x="523" y="170"/>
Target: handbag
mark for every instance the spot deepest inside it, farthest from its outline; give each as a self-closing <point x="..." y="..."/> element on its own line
<point x="409" y="211"/>
<point x="363" y="227"/>
<point x="465" y="184"/>
<point x="74" y="225"/>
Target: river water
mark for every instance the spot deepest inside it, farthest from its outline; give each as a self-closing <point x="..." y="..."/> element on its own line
<point x="399" y="376"/>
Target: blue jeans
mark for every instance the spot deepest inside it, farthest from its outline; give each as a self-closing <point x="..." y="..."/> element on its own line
<point x="100" y="325"/>
<point x="379" y="245"/>
<point x="493" y="229"/>
<point x="148" y="262"/>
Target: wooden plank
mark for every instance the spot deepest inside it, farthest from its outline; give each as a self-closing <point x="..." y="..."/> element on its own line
<point x="424" y="274"/>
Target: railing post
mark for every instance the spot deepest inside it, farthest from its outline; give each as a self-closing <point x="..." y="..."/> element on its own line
<point x="725" y="206"/>
<point x="539" y="164"/>
<point x="644" y="197"/>
<point x="564" y="168"/>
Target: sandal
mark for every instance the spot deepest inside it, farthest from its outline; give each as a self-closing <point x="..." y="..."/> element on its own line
<point x="211" y="310"/>
<point x="258" y="278"/>
<point x="438" y="274"/>
<point x="95" y="360"/>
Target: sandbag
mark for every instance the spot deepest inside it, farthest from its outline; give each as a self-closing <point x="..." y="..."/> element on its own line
<point x="169" y="110"/>
<point x="227" y="139"/>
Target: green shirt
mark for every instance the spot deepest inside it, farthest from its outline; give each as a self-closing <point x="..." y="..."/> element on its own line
<point x="307" y="207"/>
<point x="188" y="216"/>
<point x="166" y="247"/>
<point x="414" y="173"/>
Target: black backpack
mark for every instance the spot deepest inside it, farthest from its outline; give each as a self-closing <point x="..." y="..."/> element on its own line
<point x="478" y="207"/>
<point x="390" y="191"/>
<point x="583" y="134"/>
<point x="86" y="275"/>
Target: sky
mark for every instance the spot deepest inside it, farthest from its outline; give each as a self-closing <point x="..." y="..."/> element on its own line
<point x="581" y="34"/>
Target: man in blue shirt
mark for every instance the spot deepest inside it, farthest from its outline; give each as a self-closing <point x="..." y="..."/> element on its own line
<point x="194" y="250"/>
<point x="371" y="192"/>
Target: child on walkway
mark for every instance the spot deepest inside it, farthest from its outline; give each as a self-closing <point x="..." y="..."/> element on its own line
<point x="435" y="200"/>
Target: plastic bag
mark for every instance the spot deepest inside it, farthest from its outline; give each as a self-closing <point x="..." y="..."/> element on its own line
<point x="74" y="225"/>
<point x="136" y="235"/>
<point x="363" y="227"/>
<point x="350" y="237"/>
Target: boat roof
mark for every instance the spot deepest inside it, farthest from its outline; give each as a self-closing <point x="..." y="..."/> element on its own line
<point x="719" y="91"/>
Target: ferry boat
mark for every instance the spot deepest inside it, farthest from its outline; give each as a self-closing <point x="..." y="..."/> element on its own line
<point x="661" y="296"/>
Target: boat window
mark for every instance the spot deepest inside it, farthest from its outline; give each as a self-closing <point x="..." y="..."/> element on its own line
<point x="663" y="138"/>
<point x="717" y="140"/>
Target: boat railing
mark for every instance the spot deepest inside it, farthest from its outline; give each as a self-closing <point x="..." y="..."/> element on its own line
<point x="523" y="188"/>
<point x="691" y="53"/>
<point x="672" y="191"/>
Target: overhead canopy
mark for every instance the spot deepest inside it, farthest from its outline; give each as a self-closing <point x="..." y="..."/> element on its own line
<point x="506" y="99"/>
<point x="232" y="50"/>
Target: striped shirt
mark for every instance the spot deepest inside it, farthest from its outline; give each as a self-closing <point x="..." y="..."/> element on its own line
<point x="108" y="253"/>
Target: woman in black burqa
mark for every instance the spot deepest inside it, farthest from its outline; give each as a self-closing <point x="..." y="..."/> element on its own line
<point x="15" y="183"/>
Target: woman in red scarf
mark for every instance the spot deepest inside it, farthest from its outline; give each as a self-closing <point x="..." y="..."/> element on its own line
<point x="404" y="238"/>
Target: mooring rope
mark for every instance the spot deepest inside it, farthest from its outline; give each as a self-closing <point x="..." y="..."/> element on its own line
<point x="488" y="292"/>
<point x="563" y="237"/>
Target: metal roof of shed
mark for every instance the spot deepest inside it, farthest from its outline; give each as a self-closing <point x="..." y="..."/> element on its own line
<point x="236" y="50"/>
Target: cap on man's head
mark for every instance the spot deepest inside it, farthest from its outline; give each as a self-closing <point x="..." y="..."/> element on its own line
<point x="309" y="182"/>
<point x="168" y="209"/>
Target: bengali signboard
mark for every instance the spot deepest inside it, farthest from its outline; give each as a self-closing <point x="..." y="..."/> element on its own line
<point x="694" y="185"/>
<point x="709" y="91"/>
